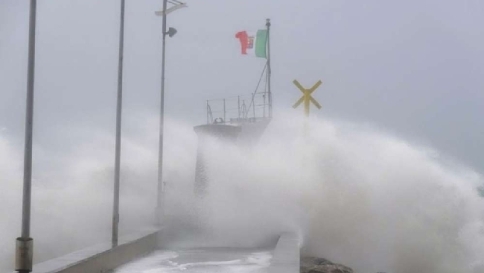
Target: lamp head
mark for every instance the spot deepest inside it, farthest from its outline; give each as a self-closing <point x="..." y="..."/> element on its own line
<point x="171" y="32"/>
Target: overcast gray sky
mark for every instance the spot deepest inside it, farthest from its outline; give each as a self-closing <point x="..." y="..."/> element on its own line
<point x="414" y="68"/>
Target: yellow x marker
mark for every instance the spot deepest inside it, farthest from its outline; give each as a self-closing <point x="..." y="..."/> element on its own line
<point x="306" y="98"/>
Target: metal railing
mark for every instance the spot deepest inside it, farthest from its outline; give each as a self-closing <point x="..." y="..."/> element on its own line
<point x="238" y="109"/>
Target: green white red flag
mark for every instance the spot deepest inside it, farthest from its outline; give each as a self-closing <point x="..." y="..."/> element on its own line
<point x="253" y="43"/>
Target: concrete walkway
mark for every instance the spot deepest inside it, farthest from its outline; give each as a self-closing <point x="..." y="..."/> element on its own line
<point x="283" y="258"/>
<point x="223" y="260"/>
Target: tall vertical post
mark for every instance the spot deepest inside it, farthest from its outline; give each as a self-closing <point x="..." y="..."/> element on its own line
<point x="269" y="71"/>
<point x="264" y="104"/>
<point x="307" y="97"/>
<point x="245" y="111"/>
<point x="224" y="112"/>
<point x="159" y="207"/>
<point x="24" y="249"/>
<point x="253" y="104"/>
<point x="119" y="106"/>
<point x="238" y="106"/>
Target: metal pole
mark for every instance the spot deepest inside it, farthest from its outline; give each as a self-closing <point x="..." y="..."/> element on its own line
<point x="159" y="208"/>
<point x="246" y="110"/>
<point x="238" y="106"/>
<point x="264" y="104"/>
<point x="269" y="71"/>
<point x="253" y="104"/>
<point x="24" y="251"/>
<point x="224" y="110"/>
<point x="119" y="106"/>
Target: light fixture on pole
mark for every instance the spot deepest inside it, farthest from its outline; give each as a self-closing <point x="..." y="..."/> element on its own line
<point x="177" y="5"/>
<point x="171" y="32"/>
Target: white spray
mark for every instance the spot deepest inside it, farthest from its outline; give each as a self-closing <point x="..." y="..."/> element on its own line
<point x="355" y="195"/>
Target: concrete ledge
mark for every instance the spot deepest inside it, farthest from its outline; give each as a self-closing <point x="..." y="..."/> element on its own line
<point x="102" y="258"/>
<point x="286" y="257"/>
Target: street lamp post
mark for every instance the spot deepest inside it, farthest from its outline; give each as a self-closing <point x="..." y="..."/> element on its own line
<point x="24" y="251"/>
<point x="171" y="32"/>
<point x="117" y="157"/>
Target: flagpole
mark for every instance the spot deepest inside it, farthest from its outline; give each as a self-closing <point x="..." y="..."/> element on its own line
<point x="24" y="254"/>
<point x="269" y="71"/>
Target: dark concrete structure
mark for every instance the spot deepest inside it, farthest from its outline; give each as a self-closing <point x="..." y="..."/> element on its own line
<point x="242" y="132"/>
<point x="223" y="132"/>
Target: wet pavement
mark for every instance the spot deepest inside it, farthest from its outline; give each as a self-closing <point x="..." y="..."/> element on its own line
<point x="202" y="260"/>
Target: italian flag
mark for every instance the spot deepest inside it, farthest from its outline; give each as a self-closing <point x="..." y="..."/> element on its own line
<point x="253" y="43"/>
